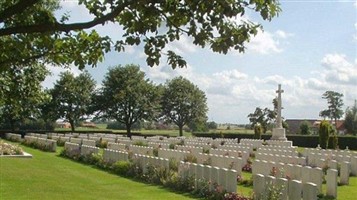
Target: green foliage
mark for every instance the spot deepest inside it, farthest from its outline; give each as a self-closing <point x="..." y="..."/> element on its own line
<point x="121" y="167"/>
<point x="172" y="146"/>
<point x="324" y="134"/>
<point x="35" y="31"/>
<point x="21" y="93"/>
<point x="212" y="125"/>
<point x="335" y="103"/>
<point x="258" y="131"/>
<point x="305" y="128"/>
<point x="155" y="152"/>
<point x="40" y="146"/>
<point x="350" y="122"/>
<point x="102" y="143"/>
<point x="190" y="158"/>
<point x="140" y="143"/>
<point x="120" y="126"/>
<point x="173" y="164"/>
<point x="333" y="133"/>
<point x="72" y="96"/>
<point x="30" y="124"/>
<point x="127" y="96"/>
<point x="183" y="102"/>
<point x="263" y="117"/>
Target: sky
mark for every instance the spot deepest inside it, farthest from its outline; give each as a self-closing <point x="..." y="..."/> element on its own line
<point x="311" y="47"/>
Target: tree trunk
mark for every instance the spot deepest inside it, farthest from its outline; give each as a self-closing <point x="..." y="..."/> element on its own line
<point x="12" y="125"/>
<point x="180" y="128"/>
<point x="128" y="130"/>
<point x="72" y="125"/>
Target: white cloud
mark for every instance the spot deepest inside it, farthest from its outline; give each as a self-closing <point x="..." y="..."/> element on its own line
<point x="339" y="70"/>
<point x="232" y="94"/>
<point x="283" y="35"/>
<point x="183" y="46"/>
<point x="355" y="35"/>
<point x="55" y="72"/>
<point x="264" y="43"/>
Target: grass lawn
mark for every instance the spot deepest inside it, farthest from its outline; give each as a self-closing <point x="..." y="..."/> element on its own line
<point x="48" y="176"/>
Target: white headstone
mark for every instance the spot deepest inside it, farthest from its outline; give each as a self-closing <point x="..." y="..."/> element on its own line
<point x="295" y="188"/>
<point x="331" y="182"/>
<point x="309" y="191"/>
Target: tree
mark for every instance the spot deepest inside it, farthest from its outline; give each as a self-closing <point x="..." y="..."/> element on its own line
<point x="324" y="134"/>
<point x="350" y="122"/>
<point x="212" y="125"/>
<point x="305" y="128"/>
<point x="183" y="102"/>
<point x="264" y="117"/>
<point x="258" y="131"/>
<point x="335" y="102"/>
<point x="32" y="31"/>
<point x="21" y="93"/>
<point x="127" y="96"/>
<point x="72" y="96"/>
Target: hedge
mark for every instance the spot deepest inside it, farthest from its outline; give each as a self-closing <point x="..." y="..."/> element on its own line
<point x="23" y="133"/>
<point x="298" y="140"/>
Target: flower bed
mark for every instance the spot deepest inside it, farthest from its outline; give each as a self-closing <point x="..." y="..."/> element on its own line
<point x="10" y="149"/>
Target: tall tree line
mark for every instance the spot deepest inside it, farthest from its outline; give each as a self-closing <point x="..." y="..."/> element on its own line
<point x="125" y="96"/>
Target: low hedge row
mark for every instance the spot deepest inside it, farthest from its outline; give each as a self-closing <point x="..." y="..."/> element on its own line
<point x="298" y="140"/>
<point x="23" y="133"/>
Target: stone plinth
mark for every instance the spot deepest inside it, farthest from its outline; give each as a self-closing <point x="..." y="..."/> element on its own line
<point x="278" y="134"/>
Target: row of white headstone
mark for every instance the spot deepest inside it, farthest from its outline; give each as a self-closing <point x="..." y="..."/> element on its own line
<point x="287" y="190"/>
<point x="272" y="150"/>
<point x="13" y="137"/>
<point x="215" y="176"/>
<point x="294" y="189"/>
<point x="281" y="158"/>
<point x="50" y="144"/>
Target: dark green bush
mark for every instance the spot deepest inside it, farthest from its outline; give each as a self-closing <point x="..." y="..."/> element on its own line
<point x="121" y="167"/>
<point x="258" y="131"/>
<point x="140" y="143"/>
<point x="324" y="134"/>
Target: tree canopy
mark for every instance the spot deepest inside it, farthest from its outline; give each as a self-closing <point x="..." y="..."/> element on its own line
<point x="30" y="29"/>
<point x="21" y="93"/>
<point x="262" y="117"/>
<point x="72" y="96"/>
<point x="335" y="103"/>
<point x="183" y="102"/>
<point x="127" y="96"/>
<point x="351" y="119"/>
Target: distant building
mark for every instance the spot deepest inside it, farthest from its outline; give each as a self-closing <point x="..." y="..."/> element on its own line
<point x="294" y="125"/>
<point x="63" y="125"/>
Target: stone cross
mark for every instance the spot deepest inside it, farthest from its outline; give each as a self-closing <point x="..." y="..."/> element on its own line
<point x="279" y="123"/>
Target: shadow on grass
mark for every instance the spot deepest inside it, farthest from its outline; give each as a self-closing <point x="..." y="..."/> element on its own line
<point x="186" y="194"/>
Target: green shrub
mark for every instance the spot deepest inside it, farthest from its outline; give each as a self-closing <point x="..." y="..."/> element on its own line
<point x="190" y="158"/>
<point x="155" y="152"/>
<point x="305" y="128"/>
<point x="172" y="146"/>
<point x="258" y="131"/>
<point x="102" y="143"/>
<point x="173" y="164"/>
<point x="121" y="167"/>
<point x="60" y="142"/>
<point x="140" y="143"/>
<point x="334" y="138"/>
<point x="324" y="134"/>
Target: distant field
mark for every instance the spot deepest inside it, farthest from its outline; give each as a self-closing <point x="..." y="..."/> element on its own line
<point x="102" y="127"/>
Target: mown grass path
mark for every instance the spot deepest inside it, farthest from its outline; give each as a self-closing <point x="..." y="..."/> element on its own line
<point x="48" y="176"/>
